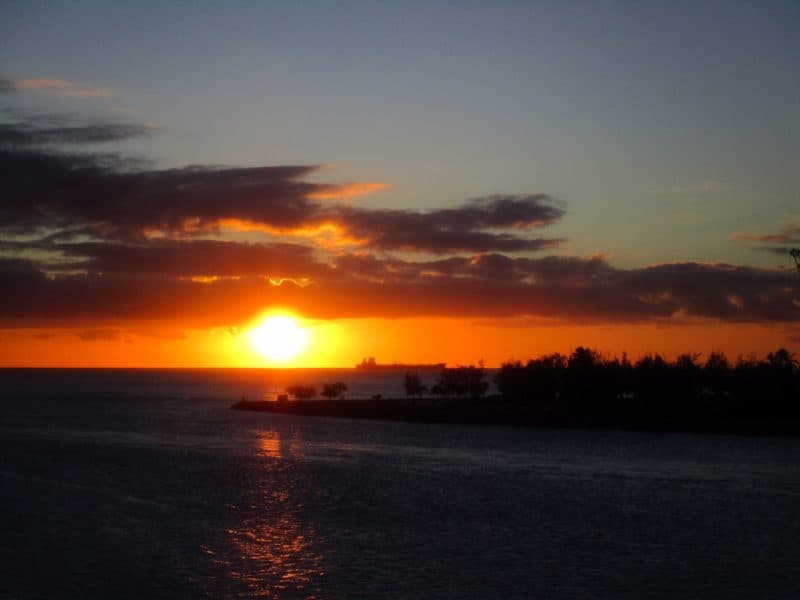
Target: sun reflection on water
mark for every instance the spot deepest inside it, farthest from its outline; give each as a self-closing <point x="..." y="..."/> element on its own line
<point x="272" y="551"/>
<point x="271" y="446"/>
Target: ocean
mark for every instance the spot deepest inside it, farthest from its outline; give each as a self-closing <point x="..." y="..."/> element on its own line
<point x="143" y="484"/>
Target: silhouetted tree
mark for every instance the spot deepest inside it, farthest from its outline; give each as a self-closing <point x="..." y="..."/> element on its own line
<point x="512" y="381"/>
<point x="686" y="373"/>
<point x="537" y="381"/>
<point x="782" y="360"/>
<point x="717" y="362"/>
<point x="412" y="384"/>
<point x="334" y="390"/>
<point x="717" y="380"/>
<point x="301" y="391"/>
<point x="583" y="359"/>
<point x="583" y="384"/>
<point x="461" y="382"/>
<point x="687" y="362"/>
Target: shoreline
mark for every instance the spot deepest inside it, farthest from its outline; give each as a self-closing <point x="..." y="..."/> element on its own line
<point x="496" y="411"/>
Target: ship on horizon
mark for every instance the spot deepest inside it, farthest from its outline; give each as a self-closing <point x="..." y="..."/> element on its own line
<point x="369" y="364"/>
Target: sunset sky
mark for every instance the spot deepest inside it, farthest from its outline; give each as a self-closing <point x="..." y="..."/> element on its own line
<point x="429" y="181"/>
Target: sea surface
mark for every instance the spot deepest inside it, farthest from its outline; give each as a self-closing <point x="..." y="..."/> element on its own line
<point x="143" y="484"/>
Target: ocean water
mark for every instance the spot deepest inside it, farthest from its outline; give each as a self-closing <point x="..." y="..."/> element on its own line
<point x="142" y="484"/>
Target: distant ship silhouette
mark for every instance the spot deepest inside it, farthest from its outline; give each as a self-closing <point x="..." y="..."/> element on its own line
<point x="369" y="364"/>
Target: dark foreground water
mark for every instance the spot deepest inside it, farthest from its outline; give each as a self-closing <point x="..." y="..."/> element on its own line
<point x="140" y="485"/>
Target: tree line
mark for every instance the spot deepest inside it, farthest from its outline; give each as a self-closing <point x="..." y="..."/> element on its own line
<point x="585" y="385"/>
<point x="305" y="392"/>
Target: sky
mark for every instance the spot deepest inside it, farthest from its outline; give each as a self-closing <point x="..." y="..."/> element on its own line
<point x="416" y="181"/>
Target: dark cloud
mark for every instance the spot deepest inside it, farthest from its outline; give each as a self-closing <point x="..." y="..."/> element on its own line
<point x="727" y="292"/>
<point x="188" y="258"/>
<point x="780" y="250"/>
<point x="471" y="227"/>
<point x="30" y="295"/>
<point x="20" y="128"/>
<point x="789" y="237"/>
<point x="490" y="268"/>
<point x="589" y="290"/>
<point x="57" y="190"/>
<point x="28" y="134"/>
<point x="116" y="239"/>
<point x="497" y="211"/>
<point x="117" y="200"/>
<point x="6" y="86"/>
<point x="370" y="267"/>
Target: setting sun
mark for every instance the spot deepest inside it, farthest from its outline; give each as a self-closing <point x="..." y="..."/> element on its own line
<point x="279" y="338"/>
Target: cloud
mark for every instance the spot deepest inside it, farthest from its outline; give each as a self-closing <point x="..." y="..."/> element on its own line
<point x="780" y="250"/>
<point x="473" y="226"/>
<point x="592" y="289"/>
<point x="349" y="190"/>
<point x="102" y="236"/>
<point x="48" y="189"/>
<point x="789" y="234"/>
<point x="787" y="237"/>
<point x="25" y="130"/>
<point x="572" y="288"/>
<point x="186" y="258"/>
<point x="118" y="199"/>
<point x="114" y="197"/>
<point x="57" y="87"/>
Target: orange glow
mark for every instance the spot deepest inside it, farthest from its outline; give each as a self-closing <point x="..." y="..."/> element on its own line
<point x="344" y="342"/>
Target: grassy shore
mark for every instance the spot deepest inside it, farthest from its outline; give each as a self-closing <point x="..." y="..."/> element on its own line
<point x="495" y="410"/>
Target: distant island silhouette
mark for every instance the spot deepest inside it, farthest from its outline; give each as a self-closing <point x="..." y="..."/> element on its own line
<point x="586" y="390"/>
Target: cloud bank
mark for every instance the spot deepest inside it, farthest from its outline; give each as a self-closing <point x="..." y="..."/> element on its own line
<point x="86" y="234"/>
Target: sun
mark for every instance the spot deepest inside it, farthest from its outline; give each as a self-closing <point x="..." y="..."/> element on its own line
<point x="279" y="338"/>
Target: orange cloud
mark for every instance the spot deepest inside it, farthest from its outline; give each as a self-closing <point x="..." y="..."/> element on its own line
<point x="61" y="87"/>
<point x="299" y="282"/>
<point x="327" y="234"/>
<point x="348" y="190"/>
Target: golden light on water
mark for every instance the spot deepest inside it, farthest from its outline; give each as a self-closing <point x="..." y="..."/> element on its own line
<point x="269" y="548"/>
<point x="279" y="338"/>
